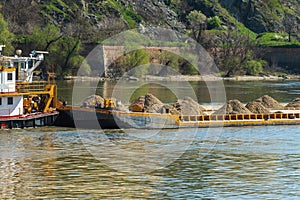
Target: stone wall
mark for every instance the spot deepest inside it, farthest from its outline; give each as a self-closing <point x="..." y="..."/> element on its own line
<point x="286" y="58"/>
<point x="112" y="53"/>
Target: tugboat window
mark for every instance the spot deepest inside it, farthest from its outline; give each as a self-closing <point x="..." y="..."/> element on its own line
<point x="16" y="64"/>
<point x="23" y="66"/>
<point x="9" y="76"/>
<point x="7" y="64"/>
<point x="0" y="101"/>
<point x="30" y="64"/>
<point x="10" y="101"/>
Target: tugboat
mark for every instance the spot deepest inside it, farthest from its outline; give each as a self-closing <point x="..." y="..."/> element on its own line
<point x="24" y="102"/>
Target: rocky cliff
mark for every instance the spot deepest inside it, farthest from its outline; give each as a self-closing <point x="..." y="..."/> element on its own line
<point x="262" y="15"/>
<point x="107" y="17"/>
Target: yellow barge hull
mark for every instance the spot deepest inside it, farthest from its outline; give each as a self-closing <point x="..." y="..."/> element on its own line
<point x="92" y="118"/>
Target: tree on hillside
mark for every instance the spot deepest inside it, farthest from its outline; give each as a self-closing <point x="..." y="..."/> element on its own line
<point x="233" y="51"/>
<point x="70" y="47"/>
<point x="197" y="23"/>
<point x="21" y="15"/>
<point x="43" y="38"/>
<point x="290" y="24"/>
<point x="46" y="38"/>
<point x="6" y="37"/>
<point x="64" y="47"/>
<point x="79" y="27"/>
<point x="131" y="62"/>
<point x="74" y="32"/>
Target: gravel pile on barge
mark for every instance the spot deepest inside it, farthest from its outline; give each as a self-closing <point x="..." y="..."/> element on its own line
<point x="233" y="107"/>
<point x="270" y="103"/>
<point x="148" y="103"/>
<point x="152" y="104"/>
<point x="257" y="108"/>
<point x="92" y="101"/>
<point x="293" y="105"/>
<point x="188" y="106"/>
<point x="138" y="104"/>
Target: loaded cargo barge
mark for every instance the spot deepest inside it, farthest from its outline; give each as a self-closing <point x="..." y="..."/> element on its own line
<point x="95" y="118"/>
<point x="24" y="102"/>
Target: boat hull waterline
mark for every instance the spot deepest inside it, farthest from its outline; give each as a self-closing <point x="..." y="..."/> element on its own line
<point x="29" y="121"/>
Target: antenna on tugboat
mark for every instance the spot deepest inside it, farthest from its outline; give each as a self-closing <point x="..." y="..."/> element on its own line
<point x="42" y="52"/>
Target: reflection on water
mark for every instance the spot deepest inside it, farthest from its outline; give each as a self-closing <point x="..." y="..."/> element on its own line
<point x="253" y="162"/>
<point x="245" y="91"/>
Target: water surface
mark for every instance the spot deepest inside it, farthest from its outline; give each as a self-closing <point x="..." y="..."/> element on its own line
<point x="283" y="91"/>
<point x="248" y="163"/>
<point x="228" y="163"/>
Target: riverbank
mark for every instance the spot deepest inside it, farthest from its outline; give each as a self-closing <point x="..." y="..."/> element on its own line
<point x="217" y="78"/>
<point x="189" y="78"/>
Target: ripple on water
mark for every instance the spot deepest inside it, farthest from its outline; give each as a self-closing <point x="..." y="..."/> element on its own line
<point x="247" y="163"/>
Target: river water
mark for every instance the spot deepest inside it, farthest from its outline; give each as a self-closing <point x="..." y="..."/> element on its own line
<point x="215" y="163"/>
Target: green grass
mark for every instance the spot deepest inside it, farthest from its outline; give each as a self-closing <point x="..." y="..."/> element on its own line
<point x="53" y="7"/>
<point x="276" y="40"/>
<point x="241" y="27"/>
<point x="273" y="7"/>
<point x="128" y="15"/>
<point x="131" y="37"/>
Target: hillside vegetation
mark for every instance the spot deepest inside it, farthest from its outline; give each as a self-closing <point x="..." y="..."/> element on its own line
<point x="68" y="29"/>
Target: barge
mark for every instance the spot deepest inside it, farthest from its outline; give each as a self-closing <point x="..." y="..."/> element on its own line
<point x="107" y="118"/>
<point x="23" y="101"/>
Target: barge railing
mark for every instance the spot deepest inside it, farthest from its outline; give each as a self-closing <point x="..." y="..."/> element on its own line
<point x="232" y="117"/>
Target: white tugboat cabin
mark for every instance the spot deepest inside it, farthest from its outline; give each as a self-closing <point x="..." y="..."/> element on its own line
<point x="11" y="102"/>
